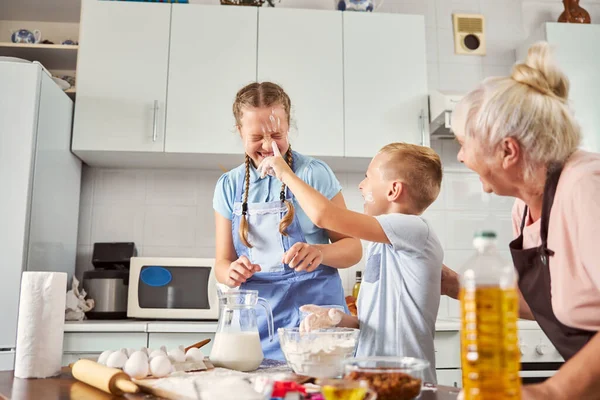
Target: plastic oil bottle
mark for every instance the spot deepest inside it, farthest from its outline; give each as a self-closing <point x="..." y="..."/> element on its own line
<point x="490" y="355"/>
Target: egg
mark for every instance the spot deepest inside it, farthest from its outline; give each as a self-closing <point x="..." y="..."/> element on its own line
<point x="156" y="353"/>
<point x="117" y="359"/>
<point x="194" y="354"/>
<point x="177" y="355"/>
<point x="137" y="365"/>
<point x="104" y="356"/>
<point x="129" y="352"/>
<point x="160" y="366"/>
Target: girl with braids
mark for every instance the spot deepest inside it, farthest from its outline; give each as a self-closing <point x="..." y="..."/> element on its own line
<point x="264" y="240"/>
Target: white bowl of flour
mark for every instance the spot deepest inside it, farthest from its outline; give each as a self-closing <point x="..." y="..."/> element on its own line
<point x="319" y="353"/>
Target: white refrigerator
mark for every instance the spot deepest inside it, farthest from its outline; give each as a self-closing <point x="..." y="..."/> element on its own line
<point x="40" y="181"/>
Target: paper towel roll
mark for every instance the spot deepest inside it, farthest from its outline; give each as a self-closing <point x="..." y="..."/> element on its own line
<point x="41" y="324"/>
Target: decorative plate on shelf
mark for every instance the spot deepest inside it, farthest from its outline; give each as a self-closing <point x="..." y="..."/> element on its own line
<point x="13" y="59"/>
<point x="64" y="85"/>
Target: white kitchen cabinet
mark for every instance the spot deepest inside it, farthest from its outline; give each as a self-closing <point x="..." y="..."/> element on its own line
<point x="449" y="377"/>
<point x="447" y="349"/>
<point x="447" y="356"/>
<point x="122" y="77"/>
<point x="302" y="50"/>
<point x="156" y="82"/>
<point x="78" y="345"/>
<point x="576" y="51"/>
<point x="212" y="56"/>
<point x="7" y="360"/>
<point x="385" y="81"/>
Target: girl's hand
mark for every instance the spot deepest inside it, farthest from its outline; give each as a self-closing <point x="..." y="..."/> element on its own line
<point x="303" y="257"/>
<point x="275" y="165"/>
<point x="240" y="270"/>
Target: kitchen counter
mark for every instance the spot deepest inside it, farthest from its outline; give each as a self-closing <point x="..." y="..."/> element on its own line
<point x="106" y="326"/>
<point x="453" y="324"/>
<point x="128" y="325"/>
<point x="65" y="387"/>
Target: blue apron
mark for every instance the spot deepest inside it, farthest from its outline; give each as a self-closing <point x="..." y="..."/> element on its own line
<point x="285" y="289"/>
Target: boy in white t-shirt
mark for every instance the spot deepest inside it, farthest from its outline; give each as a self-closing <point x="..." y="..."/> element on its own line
<point x="400" y="290"/>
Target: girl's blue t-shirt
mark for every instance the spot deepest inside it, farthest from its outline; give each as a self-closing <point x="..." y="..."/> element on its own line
<point x="312" y="171"/>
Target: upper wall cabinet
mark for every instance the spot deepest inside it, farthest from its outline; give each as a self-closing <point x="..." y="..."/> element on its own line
<point x="212" y="56"/>
<point x="156" y="82"/>
<point x="576" y="52"/>
<point x="122" y="77"/>
<point x="302" y="50"/>
<point x="385" y="81"/>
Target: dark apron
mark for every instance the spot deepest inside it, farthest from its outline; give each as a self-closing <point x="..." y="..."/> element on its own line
<point x="534" y="278"/>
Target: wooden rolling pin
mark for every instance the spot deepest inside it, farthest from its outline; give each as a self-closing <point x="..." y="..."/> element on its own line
<point x="109" y="380"/>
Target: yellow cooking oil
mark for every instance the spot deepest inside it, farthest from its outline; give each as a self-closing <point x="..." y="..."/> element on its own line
<point x="341" y="393"/>
<point x="490" y="355"/>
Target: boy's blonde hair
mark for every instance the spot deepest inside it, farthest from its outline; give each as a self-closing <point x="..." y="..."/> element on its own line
<point x="531" y="105"/>
<point x="418" y="167"/>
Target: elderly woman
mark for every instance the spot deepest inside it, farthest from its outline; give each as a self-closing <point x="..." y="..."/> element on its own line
<point x="519" y="135"/>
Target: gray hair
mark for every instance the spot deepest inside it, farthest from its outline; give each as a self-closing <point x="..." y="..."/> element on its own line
<point x="530" y="106"/>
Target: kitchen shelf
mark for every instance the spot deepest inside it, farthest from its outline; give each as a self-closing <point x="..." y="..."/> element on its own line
<point x="52" y="56"/>
<point x="72" y="93"/>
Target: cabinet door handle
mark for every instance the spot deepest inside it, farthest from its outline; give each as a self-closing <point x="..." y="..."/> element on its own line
<point x="422" y="124"/>
<point x="155" y="121"/>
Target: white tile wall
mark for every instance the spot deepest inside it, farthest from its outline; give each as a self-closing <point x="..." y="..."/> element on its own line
<point x="169" y="212"/>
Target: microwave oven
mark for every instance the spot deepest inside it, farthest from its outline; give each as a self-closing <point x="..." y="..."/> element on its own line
<point x="172" y="288"/>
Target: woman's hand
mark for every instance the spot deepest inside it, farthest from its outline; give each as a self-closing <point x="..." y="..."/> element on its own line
<point x="450" y="282"/>
<point x="303" y="257"/>
<point x="275" y="165"/>
<point x="539" y="391"/>
<point x="240" y="270"/>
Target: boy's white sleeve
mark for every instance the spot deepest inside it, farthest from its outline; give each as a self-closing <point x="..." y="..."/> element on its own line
<point x="405" y="232"/>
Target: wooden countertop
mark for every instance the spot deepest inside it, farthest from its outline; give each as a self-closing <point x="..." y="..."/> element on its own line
<point x="65" y="387"/>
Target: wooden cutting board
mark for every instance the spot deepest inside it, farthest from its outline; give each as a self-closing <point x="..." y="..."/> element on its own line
<point x="147" y="385"/>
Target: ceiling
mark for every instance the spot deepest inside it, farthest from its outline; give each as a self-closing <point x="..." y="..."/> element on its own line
<point x="40" y="10"/>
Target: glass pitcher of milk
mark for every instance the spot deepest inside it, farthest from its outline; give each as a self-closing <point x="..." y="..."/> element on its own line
<point x="237" y="342"/>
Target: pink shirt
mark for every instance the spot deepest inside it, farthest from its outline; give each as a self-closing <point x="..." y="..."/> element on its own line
<point x="574" y="236"/>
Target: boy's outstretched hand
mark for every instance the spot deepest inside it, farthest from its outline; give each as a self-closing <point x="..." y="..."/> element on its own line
<point x="319" y="317"/>
<point x="275" y="165"/>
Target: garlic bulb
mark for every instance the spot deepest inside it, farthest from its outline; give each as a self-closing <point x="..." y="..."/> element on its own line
<point x="117" y="359"/>
<point x="161" y="352"/>
<point x="137" y="365"/>
<point x="160" y="366"/>
<point x="194" y="354"/>
<point x="104" y="356"/>
<point x="177" y="355"/>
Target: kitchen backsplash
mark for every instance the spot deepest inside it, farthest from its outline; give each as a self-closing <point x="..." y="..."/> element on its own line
<point x="169" y="212"/>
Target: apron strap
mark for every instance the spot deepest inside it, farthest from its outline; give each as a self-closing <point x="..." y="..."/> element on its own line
<point x="239" y="188"/>
<point x="524" y="219"/>
<point x="552" y="178"/>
